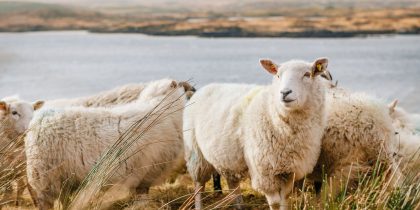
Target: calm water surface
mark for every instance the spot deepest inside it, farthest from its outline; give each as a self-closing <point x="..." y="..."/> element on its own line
<point x="48" y="65"/>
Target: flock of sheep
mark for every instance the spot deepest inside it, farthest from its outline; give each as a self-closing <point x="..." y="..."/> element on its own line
<point x="301" y="125"/>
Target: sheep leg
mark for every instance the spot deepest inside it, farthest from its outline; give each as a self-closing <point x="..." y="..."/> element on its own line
<point x="234" y="186"/>
<point x="32" y="194"/>
<point x="199" y="188"/>
<point x="273" y="200"/>
<point x="200" y="171"/>
<point x="217" y="186"/>
<point x="285" y="189"/>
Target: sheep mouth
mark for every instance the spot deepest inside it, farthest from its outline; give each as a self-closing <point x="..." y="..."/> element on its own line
<point x="288" y="100"/>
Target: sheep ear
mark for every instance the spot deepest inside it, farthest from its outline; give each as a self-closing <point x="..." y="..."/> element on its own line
<point x="3" y="106"/>
<point x="187" y="86"/>
<point x="327" y="75"/>
<point x="174" y="84"/>
<point x="269" y="65"/>
<point x="38" y="104"/>
<point x="392" y="106"/>
<point x="320" y="65"/>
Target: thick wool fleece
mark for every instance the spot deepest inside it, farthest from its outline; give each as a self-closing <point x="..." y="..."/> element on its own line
<point x="359" y="132"/>
<point x="234" y="133"/>
<point x="117" y="96"/>
<point x="64" y="144"/>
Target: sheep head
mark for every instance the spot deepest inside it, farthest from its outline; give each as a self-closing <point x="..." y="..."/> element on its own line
<point x="18" y="113"/>
<point x="295" y="83"/>
<point x="401" y="120"/>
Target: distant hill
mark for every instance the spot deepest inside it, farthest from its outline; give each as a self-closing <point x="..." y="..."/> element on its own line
<point x="233" y="4"/>
<point x="46" y="10"/>
<point x="215" y="18"/>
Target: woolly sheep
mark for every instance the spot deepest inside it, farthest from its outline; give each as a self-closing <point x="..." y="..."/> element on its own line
<point x="407" y="137"/>
<point x="271" y="133"/>
<point x="15" y="115"/>
<point x="64" y="144"/>
<point x="359" y="132"/>
<point x="117" y="96"/>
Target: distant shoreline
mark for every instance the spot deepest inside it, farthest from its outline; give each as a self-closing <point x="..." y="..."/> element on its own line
<point x="235" y="33"/>
<point x="267" y="21"/>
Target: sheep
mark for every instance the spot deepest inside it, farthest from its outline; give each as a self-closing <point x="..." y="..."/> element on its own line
<point x="117" y="96"/>
<point x="359" y="131"/>
<point x="270" y="133"/>
<point x="402" y="120"/>
<point x="63" y="144"/>
<point x="15" y="115"/>
<point x="408" y="138"/>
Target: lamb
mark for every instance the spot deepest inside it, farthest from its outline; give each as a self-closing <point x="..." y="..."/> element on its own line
<point x="270" y="133"/>
<point x="63" y="144"/>
<point x="15" y="115"/>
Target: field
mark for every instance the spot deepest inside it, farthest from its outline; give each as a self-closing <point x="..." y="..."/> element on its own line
<point x="371" y="194"/>
<point x="268" y="21"/>
<point x="373" y="191"/>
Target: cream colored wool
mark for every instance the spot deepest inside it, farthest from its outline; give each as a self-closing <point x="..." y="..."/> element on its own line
<point x="63" y="144"/>
<point x="359" y="132"/>
<point x="407" y="138"/>
<point x="240" y="130"/>
<point x="117" y="96"/>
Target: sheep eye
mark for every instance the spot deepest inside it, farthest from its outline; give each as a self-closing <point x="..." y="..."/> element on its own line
<point x="15" y="113"/>
<point x="307" y="74"/>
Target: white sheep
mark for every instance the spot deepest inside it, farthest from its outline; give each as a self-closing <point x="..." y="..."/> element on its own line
<point x="15" y="115"/>
<point x="271" y="133"/>
<point x="114" y="97"/>
<point x="63" y="144"/>
<point x="117" y="96"/>
<point x="407" y="138"/>
<point x="359" y="132"/>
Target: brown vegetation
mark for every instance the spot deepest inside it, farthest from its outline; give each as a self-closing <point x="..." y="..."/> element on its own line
<point x="294" y="22"/>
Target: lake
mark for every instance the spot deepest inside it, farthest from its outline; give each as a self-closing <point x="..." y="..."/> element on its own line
<point x="49" y="65"/>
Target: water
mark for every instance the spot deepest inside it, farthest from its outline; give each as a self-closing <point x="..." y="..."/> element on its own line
<point x="48" y="65"/>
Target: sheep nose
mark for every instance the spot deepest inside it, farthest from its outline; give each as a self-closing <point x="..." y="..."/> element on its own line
<point x="285" y="92"/>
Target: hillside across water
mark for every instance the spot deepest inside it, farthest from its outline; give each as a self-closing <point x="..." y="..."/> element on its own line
<point x="267" y="19"/>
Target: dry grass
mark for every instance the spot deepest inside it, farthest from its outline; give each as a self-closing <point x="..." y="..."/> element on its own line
<point x="372" y="192"/>
<point x="279" y="22"/>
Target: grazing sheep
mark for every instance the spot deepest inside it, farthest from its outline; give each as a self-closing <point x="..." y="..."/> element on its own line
<point x="359" y="132"/>
<point x="63" y="144"/>
<point x="271" y="133"/>
<point x="407" y="138"/>
<point x="15" y="115"/>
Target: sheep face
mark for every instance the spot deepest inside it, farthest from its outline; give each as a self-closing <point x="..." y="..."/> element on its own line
<point x="295" y="82"/>
<point x="18" y="113"/>
<point x="400" y="118"/>
<point x="159" y="89"/>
